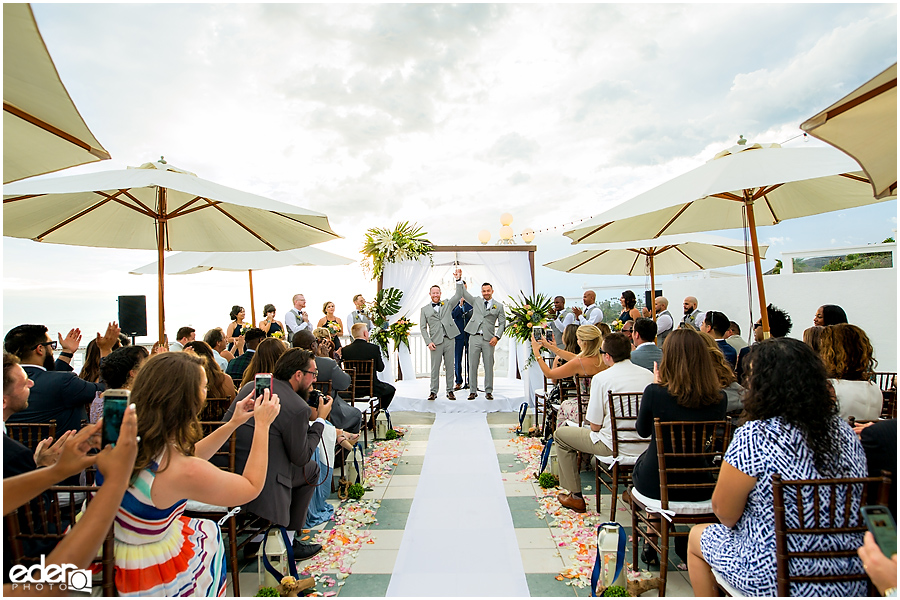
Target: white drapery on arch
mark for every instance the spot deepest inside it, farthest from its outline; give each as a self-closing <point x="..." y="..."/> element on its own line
<point x="508" y="269"/>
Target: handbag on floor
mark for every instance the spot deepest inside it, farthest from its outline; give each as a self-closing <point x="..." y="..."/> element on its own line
<point x="545" y="455"/>
<point x="353" y="471"/>
<point x="609" y="567"/>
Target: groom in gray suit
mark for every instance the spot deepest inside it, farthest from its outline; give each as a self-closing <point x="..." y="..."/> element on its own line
<point x="485" y="329"/>
<point x="439" y="332"/>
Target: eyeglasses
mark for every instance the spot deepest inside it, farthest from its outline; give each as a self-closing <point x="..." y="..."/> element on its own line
<point x="627" y="330"/>
<point x="316" y="373"/>
<point x="51" y="344"/>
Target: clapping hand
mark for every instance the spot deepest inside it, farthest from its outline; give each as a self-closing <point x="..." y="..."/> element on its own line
<point x="457" y="274"/>
<point x="576" y="311"/>
<point x="109" y="339"/>
<point x="655" y="372"/>
<point x="71" y="341"/>
<point x="47" y="452"/>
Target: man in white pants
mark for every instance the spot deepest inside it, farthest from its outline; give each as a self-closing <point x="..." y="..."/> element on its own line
<point x="485" y="329"/>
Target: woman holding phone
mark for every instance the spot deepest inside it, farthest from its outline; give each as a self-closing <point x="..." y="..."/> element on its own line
<point x="159" y="551"/>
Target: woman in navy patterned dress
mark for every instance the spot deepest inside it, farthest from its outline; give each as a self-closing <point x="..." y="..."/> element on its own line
<point x="792" y="428"/>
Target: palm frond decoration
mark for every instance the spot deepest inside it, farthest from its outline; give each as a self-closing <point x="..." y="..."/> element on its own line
<point x="382" y="246"/>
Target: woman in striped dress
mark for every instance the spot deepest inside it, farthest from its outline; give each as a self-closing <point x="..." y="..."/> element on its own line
<point x="159" y="551"/>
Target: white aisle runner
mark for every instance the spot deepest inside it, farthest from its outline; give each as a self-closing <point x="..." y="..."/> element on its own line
<point x="459" y="538"/>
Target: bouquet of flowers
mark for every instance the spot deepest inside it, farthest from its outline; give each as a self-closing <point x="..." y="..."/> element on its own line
<point x="399" y="332"/>
<point x="278" y="335"/>
<point x="334" y="328"/>
<point x="405" y="242"/>
<point x="532" y="311"/>
<point x="386" y="304"/>
<point x="616" y="325"/>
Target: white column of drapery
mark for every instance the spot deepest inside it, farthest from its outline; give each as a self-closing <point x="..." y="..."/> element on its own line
<point x="410" y="277"/>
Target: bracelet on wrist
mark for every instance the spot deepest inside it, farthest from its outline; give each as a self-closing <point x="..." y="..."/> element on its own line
<point x="67" y="354"/>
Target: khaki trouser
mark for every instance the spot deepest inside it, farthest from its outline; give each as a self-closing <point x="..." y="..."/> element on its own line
<point x="480" y="346"/>
<point x="570" y="440"/>
<point x="442" y="351"/>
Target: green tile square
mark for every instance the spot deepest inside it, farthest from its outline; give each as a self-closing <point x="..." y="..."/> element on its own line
<point x="522" y="503"/>
<point x="545" y="585"/>
<point x="362" y="585"/>
<point x="413" y="459"/>
<point x="392" y="514"/>
<point x="509" y="459"/>
<point x="501" y="433"/>
<point x="526" y="519"/>
<point x="409" y="469"/>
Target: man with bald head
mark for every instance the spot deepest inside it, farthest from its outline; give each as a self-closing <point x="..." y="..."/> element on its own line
<point x="691" y="314"/>
<point x="591" y="315"/>
<point x="664" y="321"/>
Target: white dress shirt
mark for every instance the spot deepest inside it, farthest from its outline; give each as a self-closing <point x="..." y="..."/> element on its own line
<point x="624" y="376"/>
<point x="595" y="317"/>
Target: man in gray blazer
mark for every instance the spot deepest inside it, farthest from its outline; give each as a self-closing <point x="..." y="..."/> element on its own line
<point x="439" y="332"/>
<point x="485" y="329"/>
<point x="645" y="352"/>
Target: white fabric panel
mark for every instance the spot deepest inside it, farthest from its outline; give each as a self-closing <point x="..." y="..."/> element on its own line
<point x="459" y="540"/>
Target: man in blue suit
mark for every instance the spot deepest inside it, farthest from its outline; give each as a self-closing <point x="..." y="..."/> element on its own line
<point x="716" y="324"/>
<point x="461" y="313"/>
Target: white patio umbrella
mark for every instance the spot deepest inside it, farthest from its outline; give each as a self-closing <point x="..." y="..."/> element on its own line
<point x="42" y="130"/>
<point x="186" y="263"/>
<point x="156" y="206"/>
<point x="665" y="255"/>
<point x="864" y="125"/>
<point x="743" y="186"/>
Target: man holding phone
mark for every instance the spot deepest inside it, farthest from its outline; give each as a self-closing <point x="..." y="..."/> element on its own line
<point x="292" y="474"/>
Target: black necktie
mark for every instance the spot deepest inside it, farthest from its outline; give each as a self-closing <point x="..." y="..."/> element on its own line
<point x="486" y="304"/>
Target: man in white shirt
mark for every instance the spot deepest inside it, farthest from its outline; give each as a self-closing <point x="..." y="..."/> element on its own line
<point x="692" y="316"/>
<point x="185" y="335"/>
<point x="591" y="315"/>
<point x="359" y="315"/>
<point x="296" y="319"/>
<point x="664" y="321"/>
<point x="733" y="337"/>
<point x="596" y="437"/>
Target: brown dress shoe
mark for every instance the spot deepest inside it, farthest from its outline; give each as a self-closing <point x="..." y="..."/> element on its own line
<point x="472" y="396"/>
<point x="458" y="386"/>
<point x="450" y="396"/>
<point x="571" y="502"/>
<point x="432" y="396"/>
<point x="489" y="396"/>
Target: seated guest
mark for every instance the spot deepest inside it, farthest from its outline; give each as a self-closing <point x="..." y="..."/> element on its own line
<point x="117" y="372"/>
<point x="688" y="389"/>
<point x="343" y="415"/>
<point x="215" y="339"/>
<point x="267" y="354"/>
<point x="829" y="314"/>
<point x="812" y="336"/>
<point x="716" y="324"/>
<point x="269" y="324"/>
<point x="569" y="344"/>
<point x="184" y="335"/>
<point x="792" y="428"/>
<point x="879" y="440"/>
<point x="219" y="384"/>
<point x="733" y="390"/>
<point x="290" y="481"/>
<point x="847" y="354"/>
<point x="621" y="375"/>
<point x="361" y="349"/>
<point x="57" y="394"/>
<point x="588" y="363"/>
<point x="236" y="366"/>
<point x="645" y="352"/>
<point x="733" y="337"/>
<point x="779" y="326"/>
<point x="325" y="346"/>
<point x="90" y="369"/>
<point x="158" y="551"/>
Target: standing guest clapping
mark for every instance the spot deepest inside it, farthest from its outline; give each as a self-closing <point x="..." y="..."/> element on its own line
<point x="236" y="327"/>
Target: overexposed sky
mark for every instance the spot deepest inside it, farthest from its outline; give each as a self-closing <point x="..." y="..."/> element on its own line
<point x="443" y="115"/>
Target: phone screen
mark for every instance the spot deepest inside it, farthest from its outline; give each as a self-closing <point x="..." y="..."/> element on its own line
<point x="548" y="335"/>
<point x="263" y="383"/>
<point x="114" y="404"/>
<point x="538" y="332"/>
<point x="883" y="528"/>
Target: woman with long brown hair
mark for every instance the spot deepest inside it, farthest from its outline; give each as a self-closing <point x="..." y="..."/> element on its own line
<point x="220" y="385"/>
<point x="848" y="356"/>
<point x="687" y="389"/>
<point x="159" y="551"/>
<point x="264" y="359"/>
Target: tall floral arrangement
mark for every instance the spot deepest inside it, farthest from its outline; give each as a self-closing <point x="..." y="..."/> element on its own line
<point x="382" y="246"/>
<point x="399" y="332"/>
<point x="521" y="316"/>
<point x="380" y="310"/>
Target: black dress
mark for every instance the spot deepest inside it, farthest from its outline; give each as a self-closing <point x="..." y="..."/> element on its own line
<point x="625" y="317"/>
<point x="658" y="403"/>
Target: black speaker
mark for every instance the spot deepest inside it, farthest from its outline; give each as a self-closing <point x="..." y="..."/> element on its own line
<point x="647" y="297"/>
<point x="133" y="315"/>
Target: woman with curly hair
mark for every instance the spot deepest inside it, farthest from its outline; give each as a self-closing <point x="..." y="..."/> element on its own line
<point x="791" y="427"/>
<point x="267" y="354"/>
<point x="628" y="301"/>
<point x="220" y="384"/>
<point x="158" y="550"/>
<point x="847" y="353"/>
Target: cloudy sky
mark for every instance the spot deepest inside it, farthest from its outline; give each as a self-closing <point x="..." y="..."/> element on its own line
<point x="443" y="115"/>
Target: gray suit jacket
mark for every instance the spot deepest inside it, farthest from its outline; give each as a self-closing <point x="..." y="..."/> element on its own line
<point x="646" y="355"/>
<point x="292" y="441"/>
<point x="491" y="321"/>
<point x="436" y="325"/>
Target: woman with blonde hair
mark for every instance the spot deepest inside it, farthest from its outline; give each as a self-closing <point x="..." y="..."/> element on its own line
<point x="158" y="550"/>
<point x="333" y="324"/>
<point x="587" y="363"/>
<point x="848" y="357"/>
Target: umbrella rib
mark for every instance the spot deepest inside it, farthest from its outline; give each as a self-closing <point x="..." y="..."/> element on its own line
<point x="150" y="211"/>
<point x="855" y="177"/>
<point x="40" y="238"/>
<point x="727" y="196"/>
<point x="178" y="211"/>
<point x="771" y="210"/>
<point x="681" y="252"/>
<point x="17" y="198"/>
<point x="181" y="213"/>
<point x="863" y="98"/>
<point x="765" y="190"/>
<point x="637" y="255"/>
<point x="592" y="232"/>
<point x="602" y="252"/>
<point x="144" y="210"/>
<point x="672" y="220"/>
<point x="306" y="224"/>
<point x="741" y="252"/>
<point x="99" y="153"/>
<point x="247" y="229"/>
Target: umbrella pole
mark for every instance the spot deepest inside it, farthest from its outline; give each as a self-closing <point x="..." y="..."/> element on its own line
<point x="252" y="305"/>
<point x="761" y="292"/>
<point x="160" y="245"/>
<point x="652" y="289"/>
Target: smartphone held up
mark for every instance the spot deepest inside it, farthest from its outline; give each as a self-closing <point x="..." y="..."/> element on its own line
<point x="115" y="401"/>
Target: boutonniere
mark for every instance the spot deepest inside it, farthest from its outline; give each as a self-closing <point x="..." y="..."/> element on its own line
<point x="493" y="307"/>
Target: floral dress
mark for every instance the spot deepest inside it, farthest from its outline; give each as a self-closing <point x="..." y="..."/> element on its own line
<point x="160" y="552"/>
<point x="745" y="554"/>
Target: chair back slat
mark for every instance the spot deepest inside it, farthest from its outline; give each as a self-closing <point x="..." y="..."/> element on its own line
<point x="886" y="381"/>
<point x="323" y="386"/>
<point x="30" y="434"/>
<point x="623" y="410"/>
<point x="841" y="524"/>
<point x="214" y="409"/>
<point x="226" y="453"/>
<point x="688" y="448"/>
<point x="582" y="394"/>
<point x="363" y="381"/>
